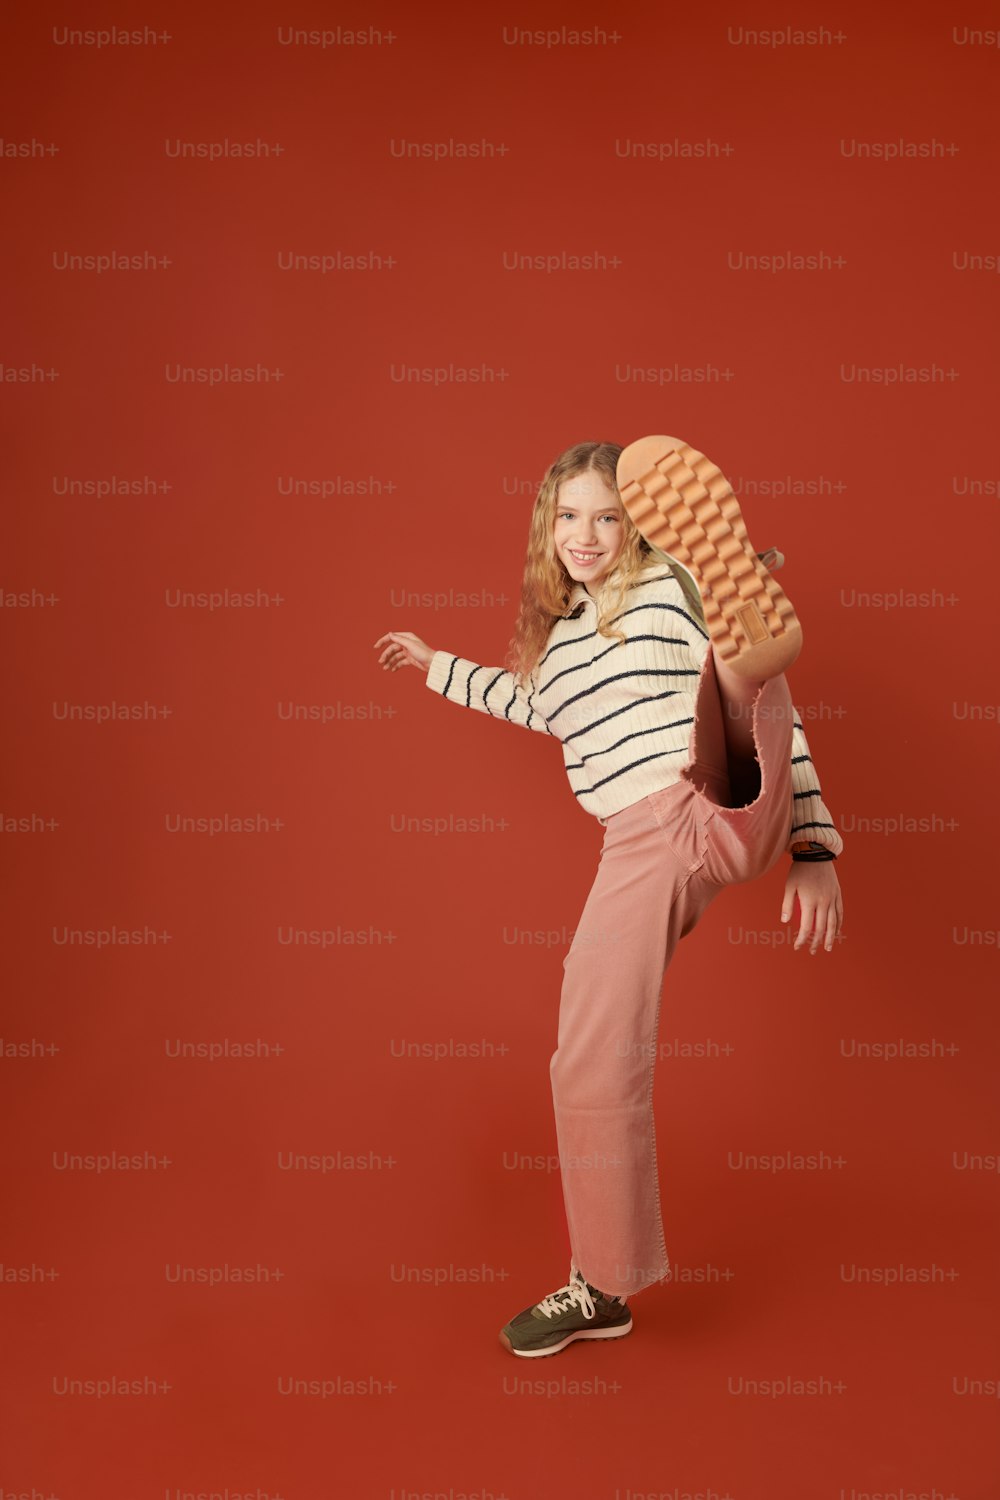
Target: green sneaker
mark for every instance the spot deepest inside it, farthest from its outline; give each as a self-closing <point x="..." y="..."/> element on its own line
<point x="576" y="1311"/>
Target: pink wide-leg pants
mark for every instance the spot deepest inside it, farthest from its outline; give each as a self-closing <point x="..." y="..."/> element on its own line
<point x="663" y="860"/>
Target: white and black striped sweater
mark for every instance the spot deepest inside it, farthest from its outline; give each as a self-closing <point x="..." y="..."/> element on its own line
<point x="625" y="726"/>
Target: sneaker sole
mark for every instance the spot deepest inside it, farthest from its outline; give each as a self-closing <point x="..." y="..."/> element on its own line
<point x="584" y="1333"/>
<point x="684" y="506"/>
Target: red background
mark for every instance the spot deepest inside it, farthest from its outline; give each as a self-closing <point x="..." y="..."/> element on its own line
<point x="88" y="1256"/>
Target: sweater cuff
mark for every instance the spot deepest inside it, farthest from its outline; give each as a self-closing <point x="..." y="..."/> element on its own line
<point x="437" y="672"/>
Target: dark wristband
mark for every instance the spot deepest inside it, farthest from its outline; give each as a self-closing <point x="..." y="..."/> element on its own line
<point x="813" y="854"/>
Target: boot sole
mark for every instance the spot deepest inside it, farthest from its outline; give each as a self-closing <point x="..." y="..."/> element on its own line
<point x="684" y="506"/>
<point x="584" y="1333"/>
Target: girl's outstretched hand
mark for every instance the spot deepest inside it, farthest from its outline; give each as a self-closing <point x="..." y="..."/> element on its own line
<point x="821" y="905"/>
<point x="403" y="649"/>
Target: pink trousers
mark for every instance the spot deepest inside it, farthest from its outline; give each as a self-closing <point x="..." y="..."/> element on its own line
<point x="663" y="860"/>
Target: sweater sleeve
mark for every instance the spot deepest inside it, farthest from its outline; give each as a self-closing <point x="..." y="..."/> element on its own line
<point x="810" y="816"/>
<point x="491" y="690"/>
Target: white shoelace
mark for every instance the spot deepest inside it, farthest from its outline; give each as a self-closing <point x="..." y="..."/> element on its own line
<point x="573" y="1293"/>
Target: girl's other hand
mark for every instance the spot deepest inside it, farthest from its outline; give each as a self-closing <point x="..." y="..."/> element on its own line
<point x="403" y="649"/>
<point x="821" y="905"/>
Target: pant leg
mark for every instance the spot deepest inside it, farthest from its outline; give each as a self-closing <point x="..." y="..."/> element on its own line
<point x="641" y="904"/>
<point x="739" y="843"/>
<point x="663" y="861"/>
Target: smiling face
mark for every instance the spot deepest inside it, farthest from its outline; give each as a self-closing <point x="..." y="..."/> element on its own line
<point x="589" y="527"/>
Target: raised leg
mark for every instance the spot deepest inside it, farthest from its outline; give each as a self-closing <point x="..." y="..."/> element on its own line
<point x="736" y="698"/>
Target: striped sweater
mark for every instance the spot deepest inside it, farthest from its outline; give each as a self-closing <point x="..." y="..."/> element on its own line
<point x="623" y="711"/>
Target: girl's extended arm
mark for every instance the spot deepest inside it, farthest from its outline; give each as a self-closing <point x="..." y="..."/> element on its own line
<point x="491" y="690"/>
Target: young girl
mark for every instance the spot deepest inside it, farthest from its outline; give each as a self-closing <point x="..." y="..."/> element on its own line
<point x="652" y="642"/>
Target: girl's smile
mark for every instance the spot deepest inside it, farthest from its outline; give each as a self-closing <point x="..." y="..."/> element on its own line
<point x="587" y="530"/>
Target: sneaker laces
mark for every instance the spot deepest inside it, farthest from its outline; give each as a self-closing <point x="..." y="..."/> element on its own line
<point x="573" y="1294"/>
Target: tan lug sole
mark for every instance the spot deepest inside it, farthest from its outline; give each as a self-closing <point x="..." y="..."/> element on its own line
<point x="684" y="506"/>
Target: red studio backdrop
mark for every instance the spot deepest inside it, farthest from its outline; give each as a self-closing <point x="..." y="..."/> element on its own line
<point x="300" y="305"/>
